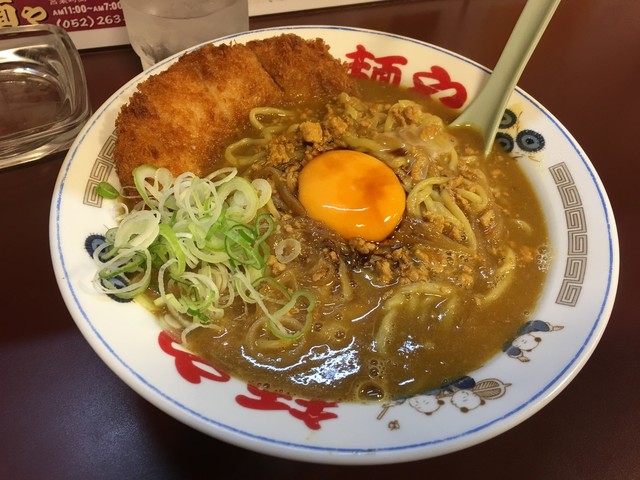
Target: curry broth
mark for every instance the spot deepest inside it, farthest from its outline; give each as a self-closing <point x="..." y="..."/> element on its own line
<point x="433" y="338"/>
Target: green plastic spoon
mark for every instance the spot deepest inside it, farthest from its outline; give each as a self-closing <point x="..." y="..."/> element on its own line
<point x="486" y="110"/>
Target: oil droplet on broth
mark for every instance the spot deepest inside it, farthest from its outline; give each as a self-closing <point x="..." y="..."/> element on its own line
<point x="370" y="391"/>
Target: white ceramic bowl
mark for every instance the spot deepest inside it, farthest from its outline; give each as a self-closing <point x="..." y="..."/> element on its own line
<point x="567" y="323"/>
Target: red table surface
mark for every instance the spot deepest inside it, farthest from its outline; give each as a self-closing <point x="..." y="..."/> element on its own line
<point x="64" y="414"/>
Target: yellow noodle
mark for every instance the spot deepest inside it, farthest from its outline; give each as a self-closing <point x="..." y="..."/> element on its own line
<point x="236" y="160"/>
<point x="524" y="226"/>
<point x="421" y="193"/>
<point x="258" y="338"/>
<point x="424" y="288"/>
<point x="475" y="194"/>
<point x="271" y="208"/>
<point x="504" y="275"/>
<point x="410" y="296"/>
<point x="376" y="149"/>
<point x="453" y="207"/>
<point x="384" y="332"/>
<point x="271" y="112"/>
<point x="390" y="122"/>
<point x="453" y="162"/>
<point x="345" y="281"/>
<point x="365" y="144"/>
<point x="436" y="206"/>
<point x="192" y="326"/>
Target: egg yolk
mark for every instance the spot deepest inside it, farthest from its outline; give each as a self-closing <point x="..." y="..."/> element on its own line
<point x="352" y="193"/>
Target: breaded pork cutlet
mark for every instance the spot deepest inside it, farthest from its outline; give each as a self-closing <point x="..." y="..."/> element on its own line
<point x="302" y="69"/>
<point x="184" y="117"/>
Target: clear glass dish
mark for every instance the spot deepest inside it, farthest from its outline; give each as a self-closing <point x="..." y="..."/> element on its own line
<point x="43" y="93"/>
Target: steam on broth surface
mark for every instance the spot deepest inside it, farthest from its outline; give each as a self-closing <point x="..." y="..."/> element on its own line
<point x="436" y="299"/>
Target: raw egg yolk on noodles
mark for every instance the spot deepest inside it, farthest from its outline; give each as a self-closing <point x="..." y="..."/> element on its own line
<point x="352" y="193"/>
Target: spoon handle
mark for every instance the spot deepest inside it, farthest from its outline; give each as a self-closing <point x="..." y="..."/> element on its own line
<point x="486" y="110"/>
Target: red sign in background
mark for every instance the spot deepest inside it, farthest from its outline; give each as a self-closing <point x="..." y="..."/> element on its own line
<point x="72" y="15"/>
<point x="90" y="23"/>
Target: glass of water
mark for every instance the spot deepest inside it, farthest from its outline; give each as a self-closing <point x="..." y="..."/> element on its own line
<point x="159" y="28"/>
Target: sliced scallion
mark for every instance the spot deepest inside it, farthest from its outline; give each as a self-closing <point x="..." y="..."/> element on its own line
<point x="201" y="243"/>
<point x="108" y="191"/>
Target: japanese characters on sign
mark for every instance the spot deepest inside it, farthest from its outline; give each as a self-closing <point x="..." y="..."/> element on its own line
<point x="71" y="15"/>
<point x="90" y="23"/>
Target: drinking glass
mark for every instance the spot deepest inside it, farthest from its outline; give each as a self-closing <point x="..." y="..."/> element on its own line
<point x="159" y="28"/>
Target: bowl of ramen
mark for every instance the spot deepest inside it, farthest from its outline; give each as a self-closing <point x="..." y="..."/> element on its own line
<point x="277" y="239"/>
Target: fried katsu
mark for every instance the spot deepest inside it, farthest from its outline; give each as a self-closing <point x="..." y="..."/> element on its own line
<point x="184" y="117"/>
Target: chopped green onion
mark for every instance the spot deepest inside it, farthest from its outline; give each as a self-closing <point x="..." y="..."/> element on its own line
<point x="200" y="243"/>
<point x="287" y="250"/>
<point x="289" y="323"/>
<point x="175" y="249"/>
<point x="129" y="264"/>
<point x="106" y="190"/>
